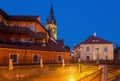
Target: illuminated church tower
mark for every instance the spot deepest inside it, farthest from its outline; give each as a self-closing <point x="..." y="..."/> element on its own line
<point x="51" y="24"/>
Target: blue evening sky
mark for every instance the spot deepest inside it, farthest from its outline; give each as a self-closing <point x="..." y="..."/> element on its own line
<point x="76" y="19"/>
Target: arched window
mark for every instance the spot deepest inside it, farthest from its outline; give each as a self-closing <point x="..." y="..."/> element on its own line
<point x="60" y="58"/>
<point x="14" y="57"/>
<point x="35" y="58"/>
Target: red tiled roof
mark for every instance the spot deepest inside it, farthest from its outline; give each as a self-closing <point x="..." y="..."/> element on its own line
<point x="95" y="40"/>
<point x="3" y="13"/>
<point x="18" y="18"/>
<point x="51" y="46"/>
<point x="22" y="30"/>
<point x="76" y="46"/>
<point x="23" y="18"/>
<point x="54" y="46"/>
<point x="60" y="42"/>
<point x="3" y="27"/>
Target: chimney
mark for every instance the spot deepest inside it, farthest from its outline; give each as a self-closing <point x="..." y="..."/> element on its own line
<point x="94" y="34"/>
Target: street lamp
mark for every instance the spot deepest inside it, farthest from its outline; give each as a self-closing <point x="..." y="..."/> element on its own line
<point x="79" y="59"/>
<point x="97" y="50"/>
<point x="78" y="53"/>
<point x="80" y="67"/>
<point x="80" y="50"/>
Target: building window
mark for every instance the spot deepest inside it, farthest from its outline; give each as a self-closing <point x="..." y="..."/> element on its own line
<point x="23" y="39"/>
<point x="53" y="30"/>
<point x="88" y="57"/>
<point x="31" y="27"/>
<point x="14" y="57"/>
<point x="105" y="49"/>
<point x="31" y="41"/>
<point x="87" y="49"/>
<point x="35" y="58"/>
<point x="14" y="39"/>
<point x="60" y="58"/>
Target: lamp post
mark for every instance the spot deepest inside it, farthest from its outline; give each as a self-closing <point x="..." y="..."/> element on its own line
<point x="80" y="50"/>
<point x="80" y="67"/>
<point x="97" y="60"/>
<point x="78" y="53"/>
<point x="79" y="59"/>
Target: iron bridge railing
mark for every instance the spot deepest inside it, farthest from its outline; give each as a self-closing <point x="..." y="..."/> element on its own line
<point x="96" y="76"/>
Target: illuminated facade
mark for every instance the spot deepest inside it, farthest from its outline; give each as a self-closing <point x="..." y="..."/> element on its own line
<point x="94" y="48"/>
<point x="51" y="24"/>
<point x="25" y="40"/>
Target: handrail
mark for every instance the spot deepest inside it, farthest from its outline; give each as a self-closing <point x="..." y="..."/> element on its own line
<point x="92" y="76"/>
<point x="116" y="75"/>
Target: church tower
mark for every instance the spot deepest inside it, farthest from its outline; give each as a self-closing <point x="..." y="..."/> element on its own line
<point x="51" y="24"/>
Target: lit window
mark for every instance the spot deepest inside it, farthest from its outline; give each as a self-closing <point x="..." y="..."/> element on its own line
<point x="31" y="41"/>
<point x="14" y="39"/>
<point x="87" y="48"/>
<point x="59" y="58"/>
<point x="36" y="58"/>
<point x="14" y="57"/>
<point x="53" y="30"/>
<point x="23" y="40"/>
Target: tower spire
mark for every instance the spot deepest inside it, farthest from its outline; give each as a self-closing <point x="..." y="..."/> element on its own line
<point x="51" y="15"/>
<point x="51" y="19"/>
<point x="51" y="24"/>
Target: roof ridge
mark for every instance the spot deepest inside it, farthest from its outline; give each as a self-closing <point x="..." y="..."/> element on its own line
<point x="95" y="40"/>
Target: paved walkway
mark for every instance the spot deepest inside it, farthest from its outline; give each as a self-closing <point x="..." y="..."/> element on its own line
<point x="47" y="73"/>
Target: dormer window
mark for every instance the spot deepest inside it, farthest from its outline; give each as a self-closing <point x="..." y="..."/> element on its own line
<point x="95" y="40"/>
<point x="31" y="27"/>
<point x="31" y="41"/>
<point x="14" y="39"/>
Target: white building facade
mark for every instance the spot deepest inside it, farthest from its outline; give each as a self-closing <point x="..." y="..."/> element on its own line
<point x="94" y="48"/>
